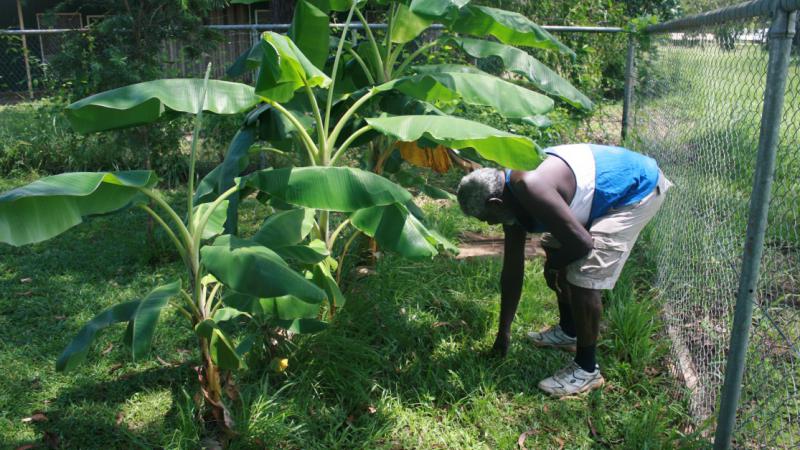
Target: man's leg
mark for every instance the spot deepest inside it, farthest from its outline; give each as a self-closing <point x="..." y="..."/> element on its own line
<point x="562" y="336"/>
<point x="566" y="318"/>
<point x="587" y="307"/>
<point x="581" y="375"/>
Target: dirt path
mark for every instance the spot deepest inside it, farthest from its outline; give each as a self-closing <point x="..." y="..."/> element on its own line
<point x="474" y="245"/>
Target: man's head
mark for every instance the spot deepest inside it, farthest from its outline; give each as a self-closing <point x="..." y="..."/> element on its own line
<point x="480" y="195"/>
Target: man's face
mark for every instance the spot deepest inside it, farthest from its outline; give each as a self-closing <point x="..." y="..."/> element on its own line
<point x="497" y="212"/>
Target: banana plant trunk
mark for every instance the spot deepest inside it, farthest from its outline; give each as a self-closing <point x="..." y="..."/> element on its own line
<point x="211" y="386"/>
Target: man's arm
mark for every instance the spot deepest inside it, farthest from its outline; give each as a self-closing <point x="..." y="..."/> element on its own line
<point x="510" y="284"/>
<point x="540" y="199"/>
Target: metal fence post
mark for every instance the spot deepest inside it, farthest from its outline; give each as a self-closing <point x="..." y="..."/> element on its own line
<point x="628" y="97"/>
<point x="780" y="40"/>
<point x="25" y="54"/>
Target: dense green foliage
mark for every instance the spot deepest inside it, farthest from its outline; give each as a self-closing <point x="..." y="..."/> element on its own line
<point x="410" y="344"/>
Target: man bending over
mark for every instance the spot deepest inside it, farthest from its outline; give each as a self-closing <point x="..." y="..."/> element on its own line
<point x="591" y="201"/>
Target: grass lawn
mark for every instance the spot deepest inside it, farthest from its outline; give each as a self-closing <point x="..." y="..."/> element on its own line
<point x="402" y="366"/>
<point x="698" y="112"/>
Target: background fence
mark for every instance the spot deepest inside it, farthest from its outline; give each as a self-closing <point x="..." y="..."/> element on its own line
<point x="698" y="102"/>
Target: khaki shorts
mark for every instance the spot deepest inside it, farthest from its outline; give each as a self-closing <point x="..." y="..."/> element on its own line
<point x="614" y="235"/>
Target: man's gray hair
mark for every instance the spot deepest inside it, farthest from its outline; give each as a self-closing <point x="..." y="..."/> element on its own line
<point x="477" y="188"/>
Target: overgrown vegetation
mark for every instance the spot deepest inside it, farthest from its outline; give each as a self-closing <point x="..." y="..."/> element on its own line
<point x="402" y="366"/>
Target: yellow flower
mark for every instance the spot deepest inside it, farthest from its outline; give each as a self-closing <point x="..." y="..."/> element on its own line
<point x="279" y="364"/>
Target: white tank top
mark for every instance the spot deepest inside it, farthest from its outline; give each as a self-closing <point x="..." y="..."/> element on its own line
<point x="580" y="159"/>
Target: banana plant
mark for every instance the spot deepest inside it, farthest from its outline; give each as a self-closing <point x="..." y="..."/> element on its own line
<point x="388" y="63"/>
<point x="280" y="273"/>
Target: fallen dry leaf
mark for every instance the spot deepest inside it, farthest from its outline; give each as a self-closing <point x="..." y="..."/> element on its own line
<point x="36" y="417"/>
<point x="60" y="317"/>
<point x="165" y="363"/>
<point x="119" y="418"/>
<point x="440" y="324"/>
<point x="371" y="409"/>
<point x="108" y="349"/>
<point x="25" y="280"/>
<point x="559" y="441"/>
<point x="114" y="368"/>
<point x="523" y="437"/>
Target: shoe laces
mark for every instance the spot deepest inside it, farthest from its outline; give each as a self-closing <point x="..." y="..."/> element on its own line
<point x="567" y="370"/>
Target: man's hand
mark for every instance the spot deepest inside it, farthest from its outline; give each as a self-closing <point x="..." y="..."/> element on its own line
<point x="501" y="345"/>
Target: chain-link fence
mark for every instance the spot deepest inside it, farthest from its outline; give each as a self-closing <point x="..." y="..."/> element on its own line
<point x="698" y="102"/>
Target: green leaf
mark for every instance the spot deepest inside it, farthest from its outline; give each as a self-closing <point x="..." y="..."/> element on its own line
<point x="324" y="279"/>
<point x="285" y="69"/>
<point x="450" y="68"/>
<point x="303" y="326"/>
<point x="522" y="63"/>
<point x="77" y="349"/>
<point x="49" y="206"/>
<point x="437" y="9"/>
<point x="304" y="254"/>
<point x="407" y="25"/>
<point x="310" y="30"/>
<point x="222" y="177"/>
<point x="147" y="102"/>
<point x="286" y="307"/>
<point x="342" y="189"/>
<point x="508" y="27"/>
<point x="252" y="269"/>
<point x="394" y="228"/>
<point x="249" y="60"/>
<point x="509" y="150"/>
<point x="508" y="99"/>
<point x="142" y="316"/>
<point x="226" y="314"/>
<point x="285" y="228"/>
<point x="143" y="321"/>
<point x="223" y="353"/>
<point x="216" y="222"/>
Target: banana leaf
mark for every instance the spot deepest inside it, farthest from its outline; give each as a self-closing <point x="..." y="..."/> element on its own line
<point x="149" y="101"/>
<point x="509" y="150"/>
<point x="49" y="206"/>
<point x="520" y="62"/>
<point x="508" y="99"/>
<point x="342" y="189"/>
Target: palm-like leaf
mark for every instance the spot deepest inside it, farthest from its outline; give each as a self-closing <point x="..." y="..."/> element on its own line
<point x="522" y="63"/>
<point x="52" y="205"/>
<point x="508" y="99"/>
<point x="342" y="189"/>
<point x="149" y="101"/>
<point x="506" y="149"/>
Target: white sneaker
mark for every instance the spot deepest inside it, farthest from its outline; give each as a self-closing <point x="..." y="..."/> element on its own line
<point x="572" y="380"/>
<point x="553" y="337"/>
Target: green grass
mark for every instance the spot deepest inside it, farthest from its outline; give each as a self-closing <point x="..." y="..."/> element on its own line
<point x="402" y="366"/>
<point x="699" y="114"/>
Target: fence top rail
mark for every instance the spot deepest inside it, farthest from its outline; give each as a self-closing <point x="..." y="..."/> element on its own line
<point x="285" y="26"/>
<point x="746" y="10"/>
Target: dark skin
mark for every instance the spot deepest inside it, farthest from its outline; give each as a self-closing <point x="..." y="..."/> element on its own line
<point x="544" y="194"/>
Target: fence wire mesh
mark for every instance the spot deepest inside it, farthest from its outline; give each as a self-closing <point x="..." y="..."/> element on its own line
<point x="697" y="109"/>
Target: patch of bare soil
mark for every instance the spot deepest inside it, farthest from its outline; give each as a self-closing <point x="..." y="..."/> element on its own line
<point x="474" y="245"/>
